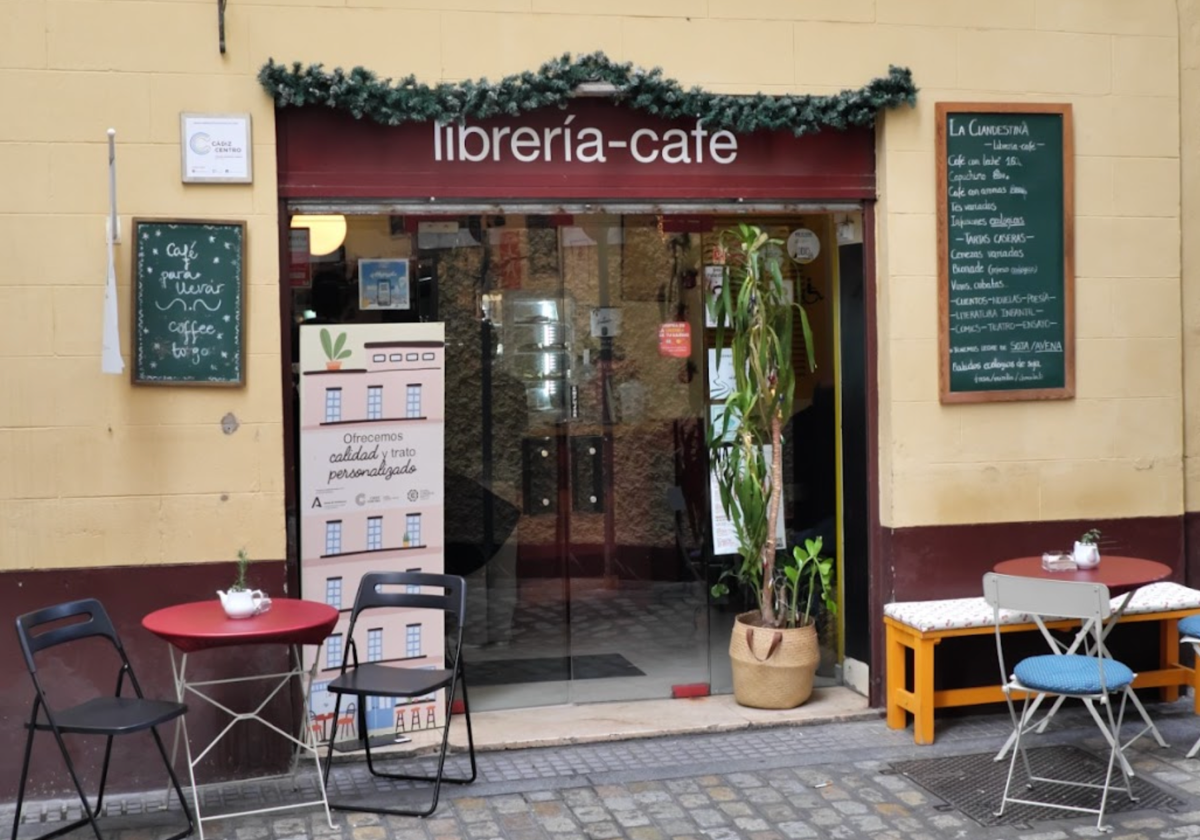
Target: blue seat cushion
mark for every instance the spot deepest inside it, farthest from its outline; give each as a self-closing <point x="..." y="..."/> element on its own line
<point x="1071" y="674"/>
<point x="1190" y="626"/>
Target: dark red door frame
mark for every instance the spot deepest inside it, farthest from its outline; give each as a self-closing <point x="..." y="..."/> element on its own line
<point x="325" y="157"/>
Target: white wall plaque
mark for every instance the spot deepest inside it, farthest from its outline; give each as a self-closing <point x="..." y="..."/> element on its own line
<point x="215" y="148"/>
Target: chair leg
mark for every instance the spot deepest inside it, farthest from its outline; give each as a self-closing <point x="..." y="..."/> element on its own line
<point x="1114" y="751"/>
<point x="467" y="717"/>
<point x="337" y="708"/>
<point x="25" y="776"/>
<point x="439" y="775"/>
<point x="1121" y="753"/>
<point x="1150" y="727"/>
<point x="162" y="750"/>
<point x="1195" y="694"/>
<point x="365" y="733"/>
<point x="1018" y="725"/>
<point x="89" y="816"/>
<point x="1196" y="679"/>
<point x="1112" y="738"/>
<point x="1019" y="748"/>
<point x="71" y="826"/>
<point x="104" y="773"/>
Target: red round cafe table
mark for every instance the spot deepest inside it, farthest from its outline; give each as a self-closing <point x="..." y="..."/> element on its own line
<point x="203" y="624"/>
<point x="1120" y="574"/>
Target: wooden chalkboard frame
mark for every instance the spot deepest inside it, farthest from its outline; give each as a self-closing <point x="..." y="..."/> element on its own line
<point x="136" y="375"/>
<point x="943" y="111"/>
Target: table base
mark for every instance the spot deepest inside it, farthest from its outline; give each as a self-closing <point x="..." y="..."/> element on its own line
<point x="183" y="688"/>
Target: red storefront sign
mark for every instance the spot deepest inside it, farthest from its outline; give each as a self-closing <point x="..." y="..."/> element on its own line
<point x="594" y="149"/>
<point x="675" y="339"/>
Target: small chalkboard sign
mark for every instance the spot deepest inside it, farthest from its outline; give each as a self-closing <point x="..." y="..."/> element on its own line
<point x="188" y="292"/>
<point x="1006" y="285"/>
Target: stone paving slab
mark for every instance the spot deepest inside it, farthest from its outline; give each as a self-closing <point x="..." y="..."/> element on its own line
<point x="819" y="781"/>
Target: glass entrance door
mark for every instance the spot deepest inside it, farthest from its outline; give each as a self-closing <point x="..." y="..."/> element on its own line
<point x="594" y="434"/>
<point x="577" y="499"/>
<point x="633" y="446"/>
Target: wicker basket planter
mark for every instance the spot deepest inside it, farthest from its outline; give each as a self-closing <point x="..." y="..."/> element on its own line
<point x="772" y="668"/>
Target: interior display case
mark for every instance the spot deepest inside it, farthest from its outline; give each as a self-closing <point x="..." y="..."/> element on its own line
<point x="535" y="345"/>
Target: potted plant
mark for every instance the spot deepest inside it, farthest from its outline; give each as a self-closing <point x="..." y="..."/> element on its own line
<point x="239" y="601"/>
<point x="773" y="647"/>
<point x="335" y="351"/>
<point x="1087" y="549"/>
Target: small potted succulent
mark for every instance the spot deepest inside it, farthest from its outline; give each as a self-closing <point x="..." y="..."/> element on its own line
<point x="239" y="601"/>
<point x="1087" y="549"/>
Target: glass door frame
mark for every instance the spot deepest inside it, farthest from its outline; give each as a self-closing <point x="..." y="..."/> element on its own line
<point x="717" y="643"/>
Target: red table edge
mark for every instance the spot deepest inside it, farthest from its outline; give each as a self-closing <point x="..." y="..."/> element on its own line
<point x="1031" y="567"/>
<point x="222" y="631"/>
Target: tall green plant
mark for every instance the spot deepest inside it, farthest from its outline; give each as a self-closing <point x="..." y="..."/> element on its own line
<point x="753" y="309"/>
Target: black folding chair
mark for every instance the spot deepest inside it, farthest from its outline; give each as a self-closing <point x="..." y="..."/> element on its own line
<point x="373" y="679"/>
<point x="102" y="715"/>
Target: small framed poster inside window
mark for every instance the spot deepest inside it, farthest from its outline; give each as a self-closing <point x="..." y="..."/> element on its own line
<point x="383" y="284"/>
<point x="215" y="148"/>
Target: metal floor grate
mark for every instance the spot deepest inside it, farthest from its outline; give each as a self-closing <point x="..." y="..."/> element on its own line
<point x="973" y="784"/>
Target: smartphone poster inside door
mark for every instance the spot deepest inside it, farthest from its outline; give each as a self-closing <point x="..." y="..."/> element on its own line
<point x="372" y="418"/>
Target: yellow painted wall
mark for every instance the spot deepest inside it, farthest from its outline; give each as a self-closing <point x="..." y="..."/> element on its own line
<point x="1189" y="92"/>
<point x="1116" y="450"/>
<point x="94" y="471"/>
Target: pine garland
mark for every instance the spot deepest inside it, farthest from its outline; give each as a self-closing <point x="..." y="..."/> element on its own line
<point x="364" y="94"/>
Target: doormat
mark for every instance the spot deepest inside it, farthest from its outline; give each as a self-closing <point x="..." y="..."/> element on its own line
<point x="973" y="784"/>
<point x="549" y="668"/>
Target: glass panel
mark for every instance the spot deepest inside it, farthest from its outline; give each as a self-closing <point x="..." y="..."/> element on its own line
<point x="578" y="498"/>
<point x="639" y="619"/>
<point x="810" y="437"/>
<point x="494" y="277"/>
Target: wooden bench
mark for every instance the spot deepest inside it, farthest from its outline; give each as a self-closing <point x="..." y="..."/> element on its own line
<point x="920" y="626"/>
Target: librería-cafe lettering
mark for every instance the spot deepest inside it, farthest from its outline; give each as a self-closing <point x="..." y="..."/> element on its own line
<point x="583" y="144"/>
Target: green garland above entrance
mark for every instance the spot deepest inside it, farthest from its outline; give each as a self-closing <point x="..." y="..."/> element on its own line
<point x="555" y="83"/>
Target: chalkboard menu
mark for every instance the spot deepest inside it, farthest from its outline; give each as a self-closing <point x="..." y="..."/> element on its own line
<point x="187" y="302"/>
<point x="1006" y="288"/>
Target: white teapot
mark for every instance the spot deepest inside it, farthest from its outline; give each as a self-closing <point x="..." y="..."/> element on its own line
<point x="1086" y="555"/>
<point x="244" y="603"/>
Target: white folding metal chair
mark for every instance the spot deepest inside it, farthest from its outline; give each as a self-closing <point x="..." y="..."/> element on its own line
<point x="1189" y="634"/>
<point x="1089" y="676"/>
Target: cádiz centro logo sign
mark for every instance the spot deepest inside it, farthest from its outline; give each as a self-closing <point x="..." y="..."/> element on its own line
<point x="200" y="143"/>
<point x="568" y="142"/>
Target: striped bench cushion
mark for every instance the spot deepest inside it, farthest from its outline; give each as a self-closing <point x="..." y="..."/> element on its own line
<point x="950" y="614"/>
<point x="1160" y="597"/>
<point x="965" y="613"/>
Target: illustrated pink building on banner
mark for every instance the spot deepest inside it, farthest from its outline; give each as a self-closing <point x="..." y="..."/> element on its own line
<point x="371" y="461"/>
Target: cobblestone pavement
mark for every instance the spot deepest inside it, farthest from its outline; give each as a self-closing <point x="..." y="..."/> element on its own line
<point x="817" y="781"/>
